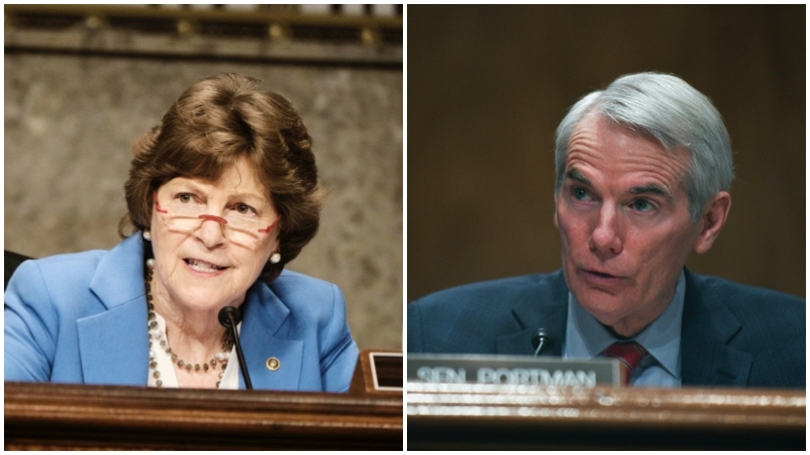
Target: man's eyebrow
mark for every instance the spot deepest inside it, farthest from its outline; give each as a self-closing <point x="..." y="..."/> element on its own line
<point x="574" y="174"/>
<point x="651" y="188"/>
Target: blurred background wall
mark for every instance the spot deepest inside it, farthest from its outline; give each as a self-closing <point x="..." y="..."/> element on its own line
<point x="488" y="85"/>
<point x="81" y="83"/>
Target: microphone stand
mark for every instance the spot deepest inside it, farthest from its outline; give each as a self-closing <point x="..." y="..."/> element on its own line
<point x="541" y="340"/>
<point x="228" y="319"/>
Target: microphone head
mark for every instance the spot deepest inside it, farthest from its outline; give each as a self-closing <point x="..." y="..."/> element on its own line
<point x="543" y="335"/>
<point x="225" y="316"/>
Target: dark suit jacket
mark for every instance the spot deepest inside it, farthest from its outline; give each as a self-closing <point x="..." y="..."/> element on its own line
<point x="731" y="335"/>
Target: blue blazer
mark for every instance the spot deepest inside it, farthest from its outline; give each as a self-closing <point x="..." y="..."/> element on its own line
<point x="81" y="318"/>
<point x="731" y="335"/>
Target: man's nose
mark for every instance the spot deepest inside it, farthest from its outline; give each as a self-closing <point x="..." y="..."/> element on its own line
<point x="606" y="236"/>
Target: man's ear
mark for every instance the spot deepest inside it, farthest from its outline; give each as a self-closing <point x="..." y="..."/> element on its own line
<point x="714" y="217"/>
<point x="556" y="201"/>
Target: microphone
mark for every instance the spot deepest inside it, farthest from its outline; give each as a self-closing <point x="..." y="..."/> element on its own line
<point x="229" y="317"/>
<point x="542" y="340"/>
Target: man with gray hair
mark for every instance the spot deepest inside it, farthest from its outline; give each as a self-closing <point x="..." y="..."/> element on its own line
<point x="643" y="172"/>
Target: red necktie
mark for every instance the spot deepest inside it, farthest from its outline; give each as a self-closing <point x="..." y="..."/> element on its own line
<point x="630" y="355"/>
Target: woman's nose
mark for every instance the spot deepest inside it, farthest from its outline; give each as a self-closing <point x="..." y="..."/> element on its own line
<point x="212" y="230"/>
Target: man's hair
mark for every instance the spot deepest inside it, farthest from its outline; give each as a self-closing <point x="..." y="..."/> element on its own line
<point x="214" y="123"/>
<point x="671" y="111"/>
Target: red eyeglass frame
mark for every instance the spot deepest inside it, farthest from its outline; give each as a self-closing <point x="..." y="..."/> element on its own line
<point x="215" y="218"/>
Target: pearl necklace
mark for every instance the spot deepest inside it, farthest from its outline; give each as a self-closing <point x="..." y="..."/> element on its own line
<point x="158" y="335"/>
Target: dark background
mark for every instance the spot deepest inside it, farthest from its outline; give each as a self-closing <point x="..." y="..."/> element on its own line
<point x="487" y="86"/>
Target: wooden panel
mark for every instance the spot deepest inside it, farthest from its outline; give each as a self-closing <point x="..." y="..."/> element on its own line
<point x="467" y="416"/>
<point x="57" y="416"/>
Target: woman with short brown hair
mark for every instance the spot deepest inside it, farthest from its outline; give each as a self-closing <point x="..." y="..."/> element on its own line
<point x="221" y="194"/>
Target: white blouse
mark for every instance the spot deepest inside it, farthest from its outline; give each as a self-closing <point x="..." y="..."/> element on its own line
<point x="230" y="380"/>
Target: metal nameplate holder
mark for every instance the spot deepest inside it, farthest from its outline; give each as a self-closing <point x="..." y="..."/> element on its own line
<point x="513" y="370"/>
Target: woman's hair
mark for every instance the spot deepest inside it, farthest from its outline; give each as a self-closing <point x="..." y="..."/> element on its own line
<point x="214" y="123"/>
<point x="675" y="114"/>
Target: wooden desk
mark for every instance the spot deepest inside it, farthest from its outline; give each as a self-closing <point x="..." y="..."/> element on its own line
<point x="59" y="416"/>
<point x="483" y="417"/>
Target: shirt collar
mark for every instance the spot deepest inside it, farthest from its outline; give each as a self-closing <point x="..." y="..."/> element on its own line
<point x="585" y="337"/>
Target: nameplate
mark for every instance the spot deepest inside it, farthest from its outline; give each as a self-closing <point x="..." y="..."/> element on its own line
<point x="386" y="371"/>
<point x="512" y="370"/>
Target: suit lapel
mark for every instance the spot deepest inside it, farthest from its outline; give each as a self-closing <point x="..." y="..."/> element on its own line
<point x="113" y="344"/>
<point x="547" y="309"/>
<point x="264" y="319"/>
<point x="707" y="327"/>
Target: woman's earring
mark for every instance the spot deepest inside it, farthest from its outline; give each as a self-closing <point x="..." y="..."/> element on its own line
<point x="275" y="258"/>
<point x="147" y="235"/>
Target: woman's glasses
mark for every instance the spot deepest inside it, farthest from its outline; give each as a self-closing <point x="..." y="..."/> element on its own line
<point x="186" y="216"/>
